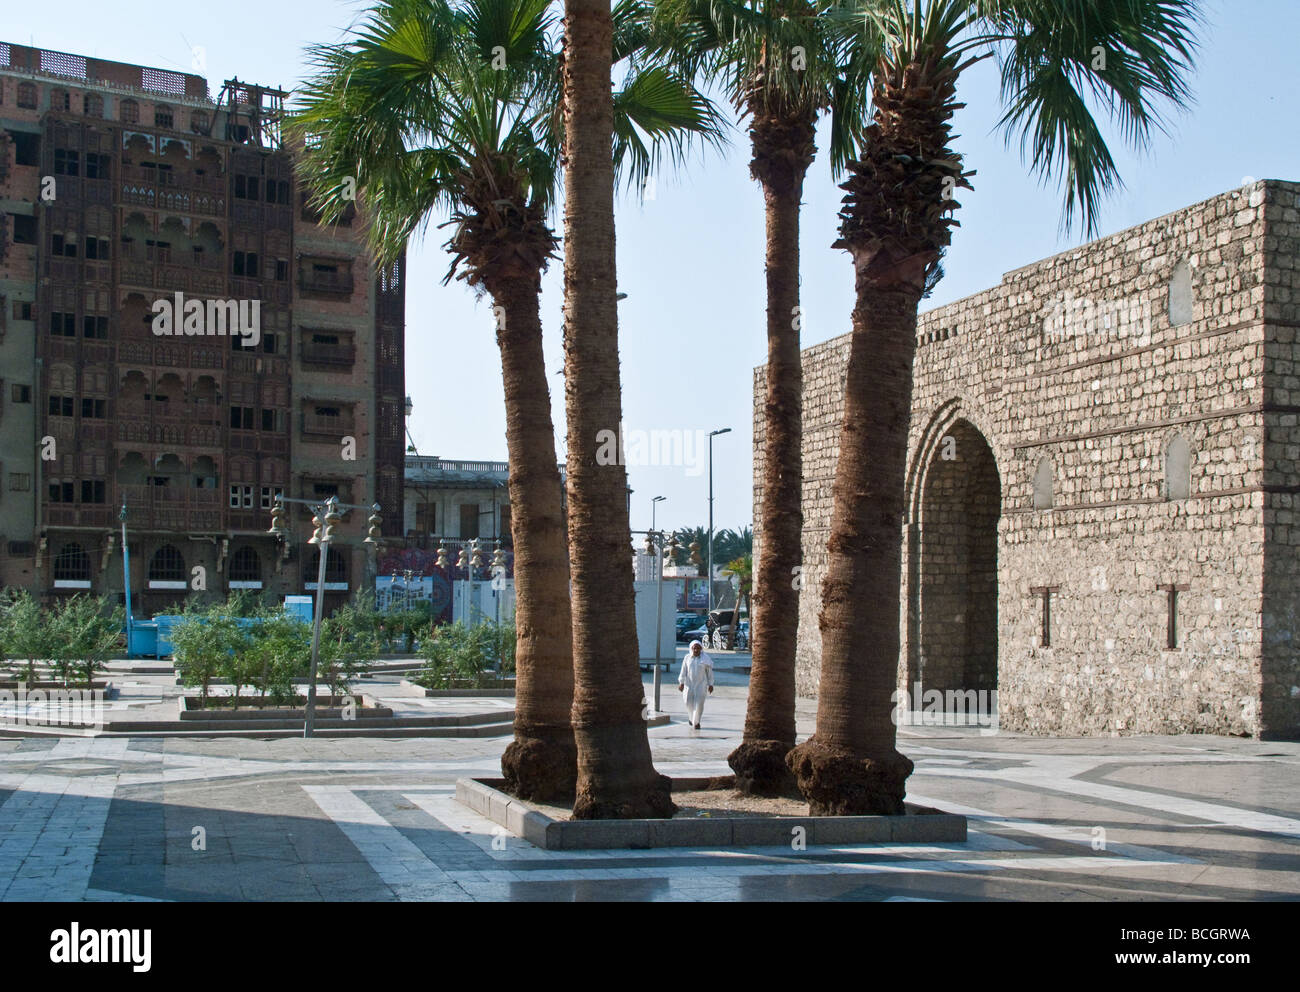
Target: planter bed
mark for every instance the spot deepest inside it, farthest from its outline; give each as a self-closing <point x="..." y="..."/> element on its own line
<point x="538" y="825"/>
<point x="327" y="708"/>
<point x="497" y="687"/>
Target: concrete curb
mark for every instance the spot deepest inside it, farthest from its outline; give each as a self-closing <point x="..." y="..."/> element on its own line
<point x="409" y="688"/>
<point x="921" y="825"/>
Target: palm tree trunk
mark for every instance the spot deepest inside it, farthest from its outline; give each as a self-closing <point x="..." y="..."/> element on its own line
<point x="541" y="762"/>
<point x="759" y="761"/>
<point x="616" y="777"/>
<point x="850" y="765"/>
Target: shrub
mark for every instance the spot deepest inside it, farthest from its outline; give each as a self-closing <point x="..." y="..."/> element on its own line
<point x="348" y="640"/>
<point x="279" y="652"/>
<point x="83" y="632"/>
<point x="456" y="652"/>
<point x="24" y="636"/>
<point x="204" y="646"/>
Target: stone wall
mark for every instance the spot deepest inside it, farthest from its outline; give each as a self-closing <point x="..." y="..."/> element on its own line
<point x="1146" y="466"/>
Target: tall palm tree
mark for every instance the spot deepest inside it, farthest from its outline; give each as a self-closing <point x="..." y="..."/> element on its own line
<point x="616" y="775"/>
<point x="783" y="64"/>
<point x="1128" y="56"/>
<point x="454" y="104"/>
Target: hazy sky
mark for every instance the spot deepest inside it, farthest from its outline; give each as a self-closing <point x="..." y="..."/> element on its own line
<point x="691" y="259"/>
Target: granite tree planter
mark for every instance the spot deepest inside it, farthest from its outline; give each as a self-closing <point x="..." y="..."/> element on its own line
<point x="327" y="708"/>
<point x="920" y="825"/>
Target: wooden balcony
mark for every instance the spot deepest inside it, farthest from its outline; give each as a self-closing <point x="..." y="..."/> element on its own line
<point x="329" y="283"/>
<point x="335" y="355"/>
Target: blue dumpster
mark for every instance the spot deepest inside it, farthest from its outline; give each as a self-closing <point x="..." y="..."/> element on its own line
<point x="143" y="639"/>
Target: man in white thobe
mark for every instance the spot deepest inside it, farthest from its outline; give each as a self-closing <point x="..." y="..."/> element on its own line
<point x="696" y="680"/>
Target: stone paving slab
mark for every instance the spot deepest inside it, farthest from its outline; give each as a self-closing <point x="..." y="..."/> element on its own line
<point x="371" y="819"/>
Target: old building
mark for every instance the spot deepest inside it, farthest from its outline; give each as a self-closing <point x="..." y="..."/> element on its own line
<point x="179" y="334"/>
<point x="457" y="500"/>
<point x="1103" y="474"/>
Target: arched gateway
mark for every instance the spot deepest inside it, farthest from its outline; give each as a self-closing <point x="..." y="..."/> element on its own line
<point x="952" y="576"/>
<point x="1101" y="483"/>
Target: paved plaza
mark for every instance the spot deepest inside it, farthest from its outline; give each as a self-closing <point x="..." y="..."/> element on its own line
<point x="1150" y="818"/>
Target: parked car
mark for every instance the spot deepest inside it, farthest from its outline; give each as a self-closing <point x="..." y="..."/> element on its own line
<point x="700" y="634"/>
<point x="686" y="622"/>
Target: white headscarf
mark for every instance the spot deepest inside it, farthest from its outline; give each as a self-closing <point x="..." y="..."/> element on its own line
<point x="704" y="657"/>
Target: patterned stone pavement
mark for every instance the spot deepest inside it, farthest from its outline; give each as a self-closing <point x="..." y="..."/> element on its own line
<point x="1154" y="818"/>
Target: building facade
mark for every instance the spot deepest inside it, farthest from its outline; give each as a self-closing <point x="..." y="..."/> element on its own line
<point x="180" y="336"/>
<point x="456" y="500"/>
<point x="1102" y="482"/>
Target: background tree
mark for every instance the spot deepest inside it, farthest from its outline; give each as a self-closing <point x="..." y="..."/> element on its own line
<point x="1127" y="55"/>
<point x="783" y="63"/>
<point x="743" y="569"/>
<point x="24" y="633"/>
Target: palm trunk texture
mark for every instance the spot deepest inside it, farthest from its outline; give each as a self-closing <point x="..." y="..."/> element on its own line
<point x="616" y="776"/>
<point x="895" y="225"/>
<point x="783" y="151"/>
<point x="541" y="762"/>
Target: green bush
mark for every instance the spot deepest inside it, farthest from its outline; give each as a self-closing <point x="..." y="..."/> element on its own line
<point x="206" y="646"/>
<point x="459" y="653"/>
<point x="24" y="636"/>
<point x="83" y="633"/>
<point x="348" y="640"/>
<point x="279" y="652"/>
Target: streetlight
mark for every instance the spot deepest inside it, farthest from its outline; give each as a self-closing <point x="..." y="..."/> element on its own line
<point x="324" y="515"/>
<point x="126" y="579"/>
<point x="654" y="505"/>
<point x="725" y="430"/>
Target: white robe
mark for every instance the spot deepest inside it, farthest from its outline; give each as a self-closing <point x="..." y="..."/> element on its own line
<point x="696" y="676"/>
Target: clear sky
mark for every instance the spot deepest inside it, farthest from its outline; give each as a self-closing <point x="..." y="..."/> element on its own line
<point x="691" y="259"/>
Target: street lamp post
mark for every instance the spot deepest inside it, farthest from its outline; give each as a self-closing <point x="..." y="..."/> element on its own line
<point x="126" y="578"/>
<point x="712" y="434"/>
<point x="324" y="515"/>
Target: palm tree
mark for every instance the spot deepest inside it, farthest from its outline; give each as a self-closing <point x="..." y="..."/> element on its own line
<point x="453" y="104"/>
<point x="1128" y="55"/>
<point x="616" y="776"/>
<point x="783" y="63"/>
<point x="742" y="567"/>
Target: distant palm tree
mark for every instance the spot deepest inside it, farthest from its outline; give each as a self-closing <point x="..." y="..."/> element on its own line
<point x="783" y="64"/>
<point x="699" y="536"/>
<point x="742" y="568"/>
<point x="1128" y="55"/>
<point x="454" y="105"/>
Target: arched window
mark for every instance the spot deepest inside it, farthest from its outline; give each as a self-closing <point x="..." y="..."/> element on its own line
<point x="1178" y="468"/>
<point x="1044" y="496"/>
<point x="72" y="564"/>
<point x="94" y="105"/>
<point x="245" y="566"/>
<point x="167" y="565"/>
<point x="129" y="111"/>
<point x="336" y="566"/>
<point x="27" y="96"/>
<point x="1180" y="295"/>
